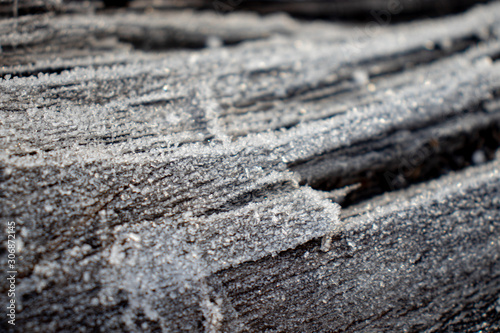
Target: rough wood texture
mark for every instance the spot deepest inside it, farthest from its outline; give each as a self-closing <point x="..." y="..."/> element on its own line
<point x="180" y="170"/>
<point x="426" y="259"/>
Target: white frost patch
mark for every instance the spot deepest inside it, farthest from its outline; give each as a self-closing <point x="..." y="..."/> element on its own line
<point x="212" y="314"/>
<point x="116" y="256"/>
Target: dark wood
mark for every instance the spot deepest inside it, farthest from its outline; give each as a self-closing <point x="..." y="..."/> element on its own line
<point x="184" y="171"/>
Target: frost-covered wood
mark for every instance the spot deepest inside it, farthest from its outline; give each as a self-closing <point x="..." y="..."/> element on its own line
<point x="176" y="170"/>
<point x="426" y="259"/>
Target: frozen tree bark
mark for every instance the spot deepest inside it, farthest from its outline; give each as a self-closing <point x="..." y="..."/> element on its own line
<point x="183" y="170"/>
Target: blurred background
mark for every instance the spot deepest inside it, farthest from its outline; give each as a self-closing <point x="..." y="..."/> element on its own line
<point x="326" y="9"/>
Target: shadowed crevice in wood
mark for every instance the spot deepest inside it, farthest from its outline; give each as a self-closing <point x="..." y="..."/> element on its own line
<point x="431" y="152"/>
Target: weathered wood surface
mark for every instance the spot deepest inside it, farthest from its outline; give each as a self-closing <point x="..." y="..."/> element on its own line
<point x="177" y="171"/>
<point x="424" y="260"/>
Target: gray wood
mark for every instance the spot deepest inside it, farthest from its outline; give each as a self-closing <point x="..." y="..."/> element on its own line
<point x="426" y="259"/>
<point x="182" y="170"/>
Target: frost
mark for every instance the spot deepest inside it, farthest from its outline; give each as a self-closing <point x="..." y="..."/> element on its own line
<point x="214" y="42"/>
<point x="116" y="255"/>
<point x="360" y="77"/>
<point x="212" y="315"/>
<point x="147" y="174"/>
<point x="479" y="157"/>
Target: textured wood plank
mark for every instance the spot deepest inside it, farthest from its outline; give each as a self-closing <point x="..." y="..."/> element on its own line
<point x="181" y="170"/>
<point x="426" y="259"/>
